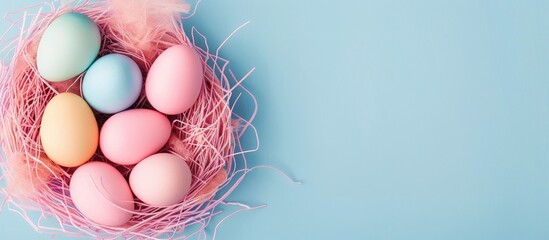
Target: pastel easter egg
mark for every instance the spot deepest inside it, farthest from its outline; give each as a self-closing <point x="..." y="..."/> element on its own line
<point x="132" y="135"/>
<point x="68" y="132"/>
<point x="101" y="194"/>
<point x="68" y="47"/>
<point x="174" y="80"/>
<point x="162" y="179"/>
<point x="112" y="83"/>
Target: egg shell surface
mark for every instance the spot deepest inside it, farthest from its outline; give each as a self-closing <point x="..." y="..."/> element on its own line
<point x="162" y="179"/>
<point x="174" y="80"/>
<point x="112" y="83"/>
<point x="68" y="132"/>
<point x="68" y="47"/>
<point x="132" y="135"/>
<point x="101" y="194"/>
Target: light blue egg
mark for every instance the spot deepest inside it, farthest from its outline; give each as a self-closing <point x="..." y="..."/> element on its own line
<point x="112" y="83"/>
<point x="68" y="47"/>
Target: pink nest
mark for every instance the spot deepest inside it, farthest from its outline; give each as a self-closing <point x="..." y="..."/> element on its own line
<point x="207" y="136"/>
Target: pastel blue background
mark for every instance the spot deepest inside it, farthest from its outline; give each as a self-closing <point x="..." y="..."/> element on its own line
<point x="403" y="119"/>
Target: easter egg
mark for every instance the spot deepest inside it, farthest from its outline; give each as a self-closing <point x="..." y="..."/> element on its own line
<point x="69" y="131"/>
<point x="101" y="194"/>
<point x="68" y="47"/>
<point x="132" y="135"/>
<point x="162" y="179"/>
<point x="174" y="80"/>
<point x="112" y="83"/>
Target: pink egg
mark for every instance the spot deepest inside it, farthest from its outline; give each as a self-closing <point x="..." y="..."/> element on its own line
<point x="162" y="179"/>
<point x="174" y="80"/>
<point x="102" y="194"/>
<point x="130" y="136"/>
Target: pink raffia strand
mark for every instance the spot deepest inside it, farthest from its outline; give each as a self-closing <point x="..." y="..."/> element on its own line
<point x="207" y="136"/>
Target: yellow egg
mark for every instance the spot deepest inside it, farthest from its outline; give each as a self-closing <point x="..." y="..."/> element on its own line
<point x="69" y="131"/>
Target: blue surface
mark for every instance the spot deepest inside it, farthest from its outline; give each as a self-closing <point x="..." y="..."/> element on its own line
<point x="403" y="119"/>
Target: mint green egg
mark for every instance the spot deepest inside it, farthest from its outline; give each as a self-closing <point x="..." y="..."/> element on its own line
<point x="68" y="47"/>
